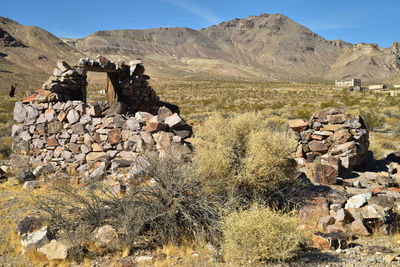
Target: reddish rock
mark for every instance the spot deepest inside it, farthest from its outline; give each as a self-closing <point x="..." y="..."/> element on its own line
<point x="115" y="136"/>
<point x="377" y="190"/>
<point x="299" y="152"/>
<point x="28" y="99"/>
<point x="298" y="125"/>
<point x="52" y="142"/>
<point x="395" y="189"/>
<point x="342" y="136"/>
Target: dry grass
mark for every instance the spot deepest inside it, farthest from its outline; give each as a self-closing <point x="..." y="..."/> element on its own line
<point x="242" y="153"/>
<point x="260" y="234"/>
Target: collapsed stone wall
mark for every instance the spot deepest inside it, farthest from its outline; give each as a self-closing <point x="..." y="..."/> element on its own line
<point x="69" y="83"/>
<point x="96" y="139"/>
<point x="332" y="143"/>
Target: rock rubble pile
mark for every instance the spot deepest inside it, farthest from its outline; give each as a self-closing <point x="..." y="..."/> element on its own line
<point x="342" y="200"/>
<point x="332" y="143"/>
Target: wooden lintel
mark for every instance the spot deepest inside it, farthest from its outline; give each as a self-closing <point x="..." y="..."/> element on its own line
<point x="94" y="69"/>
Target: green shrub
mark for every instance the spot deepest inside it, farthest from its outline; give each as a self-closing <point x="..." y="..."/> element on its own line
<point x="303" y="112"/>
<point x="243" y="153"/>
<point x="260" y="234"/>
<point x="328" y="104"/>
<point x="372" y="119"/>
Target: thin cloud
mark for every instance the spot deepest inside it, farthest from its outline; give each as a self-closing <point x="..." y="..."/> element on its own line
<point x="195" y="9"/>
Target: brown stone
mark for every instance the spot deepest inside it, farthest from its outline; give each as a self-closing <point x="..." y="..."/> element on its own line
<point x="52" y="141"/>
<point x="97" y="138"/>
<point x="342" y="136"/>
<point x="320" y="173"/>
<point x="74" y="148"/>
<point x="383" y="201"/>
<point x="94" y="156"/>
<point x="317" y="137"/>
<point x="54" y="127"/>
<point x="376" y="190"/>
<point x="355" y="213"/>
<point x="338" y="118"/>
<point x="317" y="146"/>
<point x="335" y="228"/>
<point x="298" y="125"/>
<point x="314" y="208"/>
<point x="299" y="152"/>
<point x="40" y="129"/>
<point x="331" y="127"/>
<point x="115" y="136"/>
<point x="358" y="228"/>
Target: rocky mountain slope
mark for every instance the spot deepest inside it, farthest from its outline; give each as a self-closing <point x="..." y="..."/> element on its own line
<point x="265" y="47"/>
<point x="28" y="54"/>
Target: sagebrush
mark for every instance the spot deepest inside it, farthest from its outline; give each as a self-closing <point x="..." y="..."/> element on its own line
<point x="260" y="234"/>
<point x="243" y="153"/>
<point x="170" y="207"/>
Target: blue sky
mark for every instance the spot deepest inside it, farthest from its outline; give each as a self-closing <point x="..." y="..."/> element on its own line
<point x="367" y="21"/>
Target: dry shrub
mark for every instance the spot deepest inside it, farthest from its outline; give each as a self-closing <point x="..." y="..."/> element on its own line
<point x="267" y="164"/>
<point x="170" y="208"/>
<point x="260" y="234"/>
<point x="243" y="153"/>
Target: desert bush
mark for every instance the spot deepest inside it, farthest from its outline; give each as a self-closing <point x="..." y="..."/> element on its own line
<point x="372" y="119"/>
<point x="242" y="153"/>
<point x="170" y="208"/>
<point x="328" y="104"/>
<point x="303" y="112"/>
<point x="277" y="124"/>
<point x="260" y="234"/>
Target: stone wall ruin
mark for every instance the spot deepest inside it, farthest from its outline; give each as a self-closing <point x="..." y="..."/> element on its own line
<point x="332" y="143"/>
<point x="57" y="129"/>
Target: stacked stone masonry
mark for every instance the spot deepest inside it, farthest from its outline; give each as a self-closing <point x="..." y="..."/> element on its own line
<point x="332" y="143"/>
<point x="57" y="129"/>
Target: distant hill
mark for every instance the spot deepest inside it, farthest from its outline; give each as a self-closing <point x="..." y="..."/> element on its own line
<point x="28" y="54"/>
<point x="265" y="47"/>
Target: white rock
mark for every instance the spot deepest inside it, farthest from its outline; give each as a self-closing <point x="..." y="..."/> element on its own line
<point x="55" y="250"/>
<point x="38" y="238"/>
<point x="19" y="112"/>
<point x="133" y="124"/>
<point x="174" y="121"/>
<point x="358" y="200"/>
<point x="72" y="116"/>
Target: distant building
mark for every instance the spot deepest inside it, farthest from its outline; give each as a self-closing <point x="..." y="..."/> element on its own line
<point x="349" y="83"/>
<point x="378" y="87"/>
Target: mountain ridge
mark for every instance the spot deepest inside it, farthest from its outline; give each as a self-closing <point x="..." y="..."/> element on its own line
<point x="266" y="47"/>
